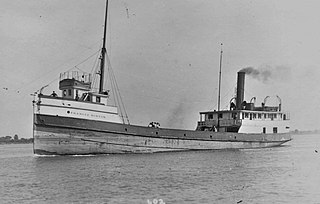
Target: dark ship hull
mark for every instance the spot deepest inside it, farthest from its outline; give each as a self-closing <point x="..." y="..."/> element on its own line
<point x="55" y="135"/>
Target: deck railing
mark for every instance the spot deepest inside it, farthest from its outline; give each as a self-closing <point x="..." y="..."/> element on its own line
<point x="80" y="76"/>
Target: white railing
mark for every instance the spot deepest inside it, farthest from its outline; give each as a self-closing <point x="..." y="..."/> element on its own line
<point x="80" y="76"/>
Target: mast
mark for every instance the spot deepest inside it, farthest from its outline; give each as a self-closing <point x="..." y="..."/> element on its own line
<point x="103" y="51"/>
<point x="220" y="78"/>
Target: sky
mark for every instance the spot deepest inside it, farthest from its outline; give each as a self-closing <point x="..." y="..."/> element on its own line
<point x="165" y="55"/>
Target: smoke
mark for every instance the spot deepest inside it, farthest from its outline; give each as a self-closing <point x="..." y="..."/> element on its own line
<point x="267" y="73"/>
<point x="176" y="118"/>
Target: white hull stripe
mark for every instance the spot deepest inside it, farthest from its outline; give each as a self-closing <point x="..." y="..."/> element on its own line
<point x="75" y="108"/>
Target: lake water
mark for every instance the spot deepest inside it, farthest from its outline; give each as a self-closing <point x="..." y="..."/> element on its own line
<point x="287" y="174"/>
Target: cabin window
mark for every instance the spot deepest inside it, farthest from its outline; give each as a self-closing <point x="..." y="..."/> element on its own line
<point x="242" y="115"/>
<point x="77" y="95"/>
<point x="284" y="117"/>
<point x="275" y="115"/>
<point x="210" y="116"/>
<point x="265" y="116"/>
<point x="259" y="115"/>
<point x="64" y="93"/>
<point x="275" y="130"/>
<point x="264" y="130"/>
<point x="246" y="115"/>
<point x="98" y="99"/>
<point x="250" y="116"/>
<point x="69" y="92"/>
<point x="271" y="116"/>
<point x="234" y="116"/>
<point x="201" y="117"/>
<point x="254" y="115"/>
<point x="220" y="115"/>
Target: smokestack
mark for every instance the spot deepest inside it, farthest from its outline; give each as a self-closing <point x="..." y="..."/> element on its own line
<point x="240" y="89"/>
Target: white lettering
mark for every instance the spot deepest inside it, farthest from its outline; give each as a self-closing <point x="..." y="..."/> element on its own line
<point x="86" y="114"/>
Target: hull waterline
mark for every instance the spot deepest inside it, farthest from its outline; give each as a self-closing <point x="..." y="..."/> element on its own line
<point x="67" y="136"/>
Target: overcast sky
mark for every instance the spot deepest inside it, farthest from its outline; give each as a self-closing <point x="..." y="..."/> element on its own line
<point x="165" y="55"/>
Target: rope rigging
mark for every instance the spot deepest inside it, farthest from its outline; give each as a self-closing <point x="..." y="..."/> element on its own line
<point x="57" y="68"/>
<point x="117" y="96"/>
<point x="76" y="66"/>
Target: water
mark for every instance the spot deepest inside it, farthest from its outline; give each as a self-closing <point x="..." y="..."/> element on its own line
<point x="288" y="174"/>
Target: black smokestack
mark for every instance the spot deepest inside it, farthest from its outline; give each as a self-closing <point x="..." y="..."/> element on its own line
<point x="260" y="74"/>
<point x="240" y="89"/>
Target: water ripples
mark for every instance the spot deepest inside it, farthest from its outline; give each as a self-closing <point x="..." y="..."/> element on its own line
<point x="288" y="174"/>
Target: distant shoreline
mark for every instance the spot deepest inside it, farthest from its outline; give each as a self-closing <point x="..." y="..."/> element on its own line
<point x="305" y="132"/>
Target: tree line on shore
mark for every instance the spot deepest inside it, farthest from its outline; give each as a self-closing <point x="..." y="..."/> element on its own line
<point x="15" y="139"/>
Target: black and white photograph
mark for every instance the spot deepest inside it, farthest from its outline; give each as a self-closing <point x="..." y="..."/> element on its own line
<point x="159" y="102"/>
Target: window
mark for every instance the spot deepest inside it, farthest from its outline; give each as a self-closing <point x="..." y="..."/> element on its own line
<point x="254" y="115"/>
<point x="264" y="130"/>
<point x="275" y="130"/>
<point x="77" y="95"/>
<point x="98" y="99"/>
<point x="210" y="116"/>
<point x="259" y="115"/>
<point x="69" y="92"/>
<point x="247" y="115"/>
<point x="220" y="115"/>
<point x="234" y="116"/>
<point x="242" y="115"/>
<point x="271" y="116"/>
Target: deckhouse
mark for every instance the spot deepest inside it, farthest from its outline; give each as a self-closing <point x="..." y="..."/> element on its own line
<point x="78" y="86"/>
<point x="243" y="117"/>
<point x="78" y="100"/>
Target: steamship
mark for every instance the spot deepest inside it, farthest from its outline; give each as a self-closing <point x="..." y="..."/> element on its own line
<point x="80" y="121"/>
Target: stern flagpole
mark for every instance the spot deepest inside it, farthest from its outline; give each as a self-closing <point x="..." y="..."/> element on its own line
<point x="220" y="78"/>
